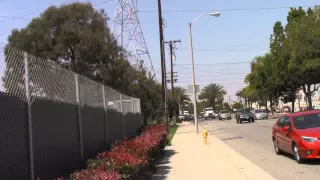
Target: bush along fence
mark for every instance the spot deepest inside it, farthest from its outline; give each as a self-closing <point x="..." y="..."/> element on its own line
<point x="52" y="120"/>
<point x="127" y="160"/>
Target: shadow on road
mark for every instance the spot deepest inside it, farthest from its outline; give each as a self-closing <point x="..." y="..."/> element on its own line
<point x="309" y="162"/>
<point x="163" y="165"/>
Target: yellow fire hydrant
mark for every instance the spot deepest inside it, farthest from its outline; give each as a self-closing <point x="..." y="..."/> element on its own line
<point x="205" y="136"/>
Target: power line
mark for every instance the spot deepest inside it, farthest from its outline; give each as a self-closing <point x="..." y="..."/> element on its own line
<point x="235" y="45"/>
<point x="211" y="70"/>
<point x="224" y="10"/>
<point x="244" y="62"/>
<point x="209" y="50"/>
<point x="210" y="73"/>
<point x="23" y="16"/>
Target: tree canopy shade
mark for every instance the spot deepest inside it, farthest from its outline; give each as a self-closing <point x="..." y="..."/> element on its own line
<point x="76" y="36"/>
<point x="293" y="62"/>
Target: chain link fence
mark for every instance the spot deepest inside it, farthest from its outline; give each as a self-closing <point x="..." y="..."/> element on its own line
<point x="52" y="120"/>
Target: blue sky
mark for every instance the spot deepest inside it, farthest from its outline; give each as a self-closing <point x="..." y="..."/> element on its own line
<point x="234" y="38"/>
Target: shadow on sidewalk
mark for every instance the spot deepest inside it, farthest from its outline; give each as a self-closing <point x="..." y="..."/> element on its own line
<point x="163" y="165"/>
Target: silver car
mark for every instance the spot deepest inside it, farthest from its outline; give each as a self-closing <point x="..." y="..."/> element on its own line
<point x="260" y="114"/>
<point x="224" y="115"/>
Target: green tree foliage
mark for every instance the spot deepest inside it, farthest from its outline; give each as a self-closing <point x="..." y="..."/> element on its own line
<point x="180" y="102"/>
<point x="213" y="94"/>
<point x="76" y="36"/>
<point x="227" y="107"/>
<point x="237" y="105"/>
<point x="293" y="61"/>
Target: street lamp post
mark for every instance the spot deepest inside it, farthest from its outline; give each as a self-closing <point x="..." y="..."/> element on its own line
<point x="195" y="114"/>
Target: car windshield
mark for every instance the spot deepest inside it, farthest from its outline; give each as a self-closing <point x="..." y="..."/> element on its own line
<point x="260" y="111"/>
<point x="223" y="112"/>
<point x="307" y="121"/>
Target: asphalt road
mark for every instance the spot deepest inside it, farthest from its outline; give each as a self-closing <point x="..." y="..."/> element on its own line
<point x="254" y="141"/>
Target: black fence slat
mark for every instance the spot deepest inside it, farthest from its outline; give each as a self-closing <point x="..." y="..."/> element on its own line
<point x="14" y="150"/>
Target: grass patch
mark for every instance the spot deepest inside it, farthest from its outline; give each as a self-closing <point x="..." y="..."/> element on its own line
<point x="172" y="131"/>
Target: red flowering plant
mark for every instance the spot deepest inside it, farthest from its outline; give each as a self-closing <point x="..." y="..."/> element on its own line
<point x="128" y="158"/>
<point x="95" y="174"/>
<point x="125" y="164"/>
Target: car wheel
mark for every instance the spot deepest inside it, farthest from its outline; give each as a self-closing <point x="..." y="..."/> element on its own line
<point x="296" y="153"/>
<point x="276" y="148"/>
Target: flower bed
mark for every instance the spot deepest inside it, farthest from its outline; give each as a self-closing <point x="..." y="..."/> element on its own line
<point x="126" y="160"/>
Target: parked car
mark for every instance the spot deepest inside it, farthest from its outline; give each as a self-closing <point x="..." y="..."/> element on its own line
<point x="224" y="115"/>
<point x="298" y="134"/>
<point x="210" y="116"/>
<point x="182" y="117"/>
<point x="260" y="114"/>
<point x="244" y="115"/>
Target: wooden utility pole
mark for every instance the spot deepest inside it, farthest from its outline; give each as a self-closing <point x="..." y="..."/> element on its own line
<point x="163" y="74"/>
<point x="172" y="47"/>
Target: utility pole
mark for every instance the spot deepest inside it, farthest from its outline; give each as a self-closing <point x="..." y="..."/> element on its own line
<point x="229" y="100"/>
<point x="172" y="46"/>
<point x="163" y="70"/>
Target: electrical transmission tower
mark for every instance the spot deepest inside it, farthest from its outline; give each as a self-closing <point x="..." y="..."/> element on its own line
<point x="127" y="31"/>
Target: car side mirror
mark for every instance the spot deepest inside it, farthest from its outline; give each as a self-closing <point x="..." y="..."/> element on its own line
<point x="287" y="128"/>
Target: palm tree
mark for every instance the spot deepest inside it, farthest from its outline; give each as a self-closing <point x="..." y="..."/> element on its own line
<point x="212" y="93"/>
<point x="181" y="97"/>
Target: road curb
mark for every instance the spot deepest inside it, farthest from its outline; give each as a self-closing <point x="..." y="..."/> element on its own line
<point x="244" y="165"/>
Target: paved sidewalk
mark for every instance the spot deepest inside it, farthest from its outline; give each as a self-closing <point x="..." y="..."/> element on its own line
<point x="190" y="159"/>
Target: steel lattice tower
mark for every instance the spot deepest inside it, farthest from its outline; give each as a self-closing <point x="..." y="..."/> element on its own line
<point x="127" y="31"/>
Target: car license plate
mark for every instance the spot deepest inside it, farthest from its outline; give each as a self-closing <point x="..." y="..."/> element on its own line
<point x="247" y="117"/>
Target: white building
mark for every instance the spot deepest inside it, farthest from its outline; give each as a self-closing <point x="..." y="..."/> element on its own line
<point x="301" y="100"/>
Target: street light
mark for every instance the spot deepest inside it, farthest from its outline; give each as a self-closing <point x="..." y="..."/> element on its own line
<point x="215" y="14"/>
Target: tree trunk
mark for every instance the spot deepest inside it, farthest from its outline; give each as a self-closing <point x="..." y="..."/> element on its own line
<point x="266" y="104"/>
<point x="214" y="104"/>
<point x="271" y="107"/>
<point x="307" y="92"/>
<point x="309" y="97"/>
<point x="292" y="105"/>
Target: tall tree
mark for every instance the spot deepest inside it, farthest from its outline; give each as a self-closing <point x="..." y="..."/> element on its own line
<point x="212" y="93"/>
<point x="180" y="102"/>
<point x="304" y="35"/>
<point x="75" y="37"/>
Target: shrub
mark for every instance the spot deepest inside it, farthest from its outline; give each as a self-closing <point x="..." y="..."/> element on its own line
<point x="95" y="174"/>
<point x="127" y="159"/>
<point x="125" y="164"/>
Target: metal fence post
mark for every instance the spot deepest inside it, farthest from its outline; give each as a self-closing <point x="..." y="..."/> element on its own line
<point x="79" y="115"/>
<point x="121" y="109"/>
<point x="26" y="74"/>
<point x="140" y="114"/>
<point x="105" y="110"/>
<point x="133" y="111"/>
